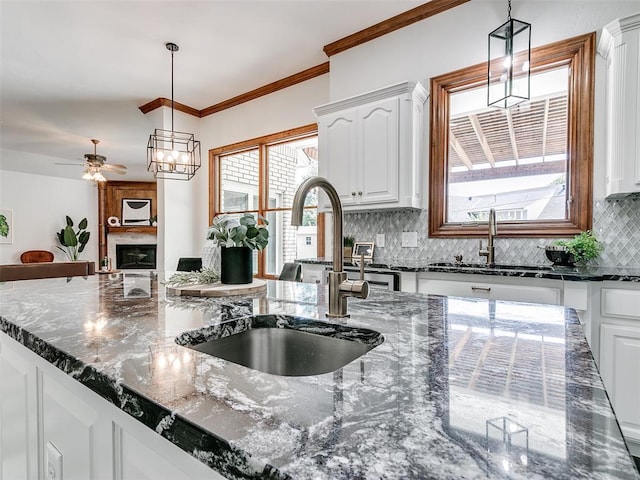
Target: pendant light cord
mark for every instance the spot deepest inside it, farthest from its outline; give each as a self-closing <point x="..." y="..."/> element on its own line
<point x="172" y="83"/>
<point x="508" y="18"/>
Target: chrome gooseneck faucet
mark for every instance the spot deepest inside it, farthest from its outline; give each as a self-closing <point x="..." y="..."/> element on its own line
<point x="493" y="231"/>
<point x="339" y="287"/>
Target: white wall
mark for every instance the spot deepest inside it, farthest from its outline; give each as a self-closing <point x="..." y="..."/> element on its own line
<point x="39" y="205"/>
<point x="182" y="212"/>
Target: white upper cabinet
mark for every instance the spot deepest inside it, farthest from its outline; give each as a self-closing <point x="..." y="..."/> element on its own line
<point x="620" y="46"/>
<point x="371" y="148"/>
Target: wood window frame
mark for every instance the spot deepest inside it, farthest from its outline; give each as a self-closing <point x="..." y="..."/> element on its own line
<point x="261" y="144"/>
<point x="578" y="54"/>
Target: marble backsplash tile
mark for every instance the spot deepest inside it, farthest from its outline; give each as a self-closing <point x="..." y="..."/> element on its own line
<point x="615" y="222"/>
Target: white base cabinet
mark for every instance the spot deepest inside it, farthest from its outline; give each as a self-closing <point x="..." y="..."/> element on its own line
<point x="615" y="317"/>
<point x="619" y="361"/>
<point x="44" y="414"/>
<point x="313" y="273"/>
<point x="371" y="148"/>
<point x="530" y="290"/>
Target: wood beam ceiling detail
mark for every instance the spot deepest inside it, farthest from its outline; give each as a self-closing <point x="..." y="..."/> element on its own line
<point x="459" y="149"/>
<point x="512" y="136"/>
<point x="477" y="128"/>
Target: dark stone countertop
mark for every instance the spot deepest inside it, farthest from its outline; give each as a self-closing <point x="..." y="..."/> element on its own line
<point x="552" y="272"/>
<point x="430" y="402"/>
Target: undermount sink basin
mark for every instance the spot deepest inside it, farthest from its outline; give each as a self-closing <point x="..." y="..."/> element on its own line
<point x="284" y="345"/>
<point x="484" y="266"/>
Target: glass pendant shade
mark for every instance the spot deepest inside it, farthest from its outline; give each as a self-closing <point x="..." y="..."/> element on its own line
<point x="509" y="64"/>
<point x="173" y="155"/>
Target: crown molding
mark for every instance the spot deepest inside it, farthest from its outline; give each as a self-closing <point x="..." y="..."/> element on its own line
<point x="392" y="24"/>
<point x="283" y="83"/>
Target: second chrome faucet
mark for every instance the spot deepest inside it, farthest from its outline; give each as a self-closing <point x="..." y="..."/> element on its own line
<point x="489" y="252"/>
<point x="339" y="287"/>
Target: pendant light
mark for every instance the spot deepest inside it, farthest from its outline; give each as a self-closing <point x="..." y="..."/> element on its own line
<point x="170" y="154"/>
<point x="509" y="63"/>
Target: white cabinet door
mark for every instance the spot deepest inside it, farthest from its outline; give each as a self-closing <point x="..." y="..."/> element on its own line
<point x="337" y="141"/>
<point x="620" y="46"/>
<point x="18" y="414"/>
<point x="143" y="455"/>
<point x="378" y="152"/>
<point x="73" y="425"/>
<point x="619" y="361"/>
<point x="370" y="148"/>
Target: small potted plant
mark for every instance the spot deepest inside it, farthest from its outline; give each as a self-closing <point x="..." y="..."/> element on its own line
<point x="347" y="250"/>
<point x="72" y="242"/>
<point x="237" y="238"/>
<point x="581" y="248"/>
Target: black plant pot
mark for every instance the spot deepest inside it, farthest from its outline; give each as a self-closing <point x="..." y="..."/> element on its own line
<point x="559" y="256"/>
<point x="236" y="265"/>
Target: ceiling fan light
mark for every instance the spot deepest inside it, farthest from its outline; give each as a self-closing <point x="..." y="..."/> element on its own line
<point x="87" y="175"/>
<point x="98" y="177"/>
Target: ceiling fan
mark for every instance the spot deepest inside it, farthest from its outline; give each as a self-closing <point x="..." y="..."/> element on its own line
<point x="94" y="163"/>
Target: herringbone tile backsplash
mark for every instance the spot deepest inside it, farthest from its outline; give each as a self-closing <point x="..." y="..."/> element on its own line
<point x="615" y="222"/>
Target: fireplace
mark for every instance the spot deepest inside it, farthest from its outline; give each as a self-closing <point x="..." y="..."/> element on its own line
<point x="136" y="257"/>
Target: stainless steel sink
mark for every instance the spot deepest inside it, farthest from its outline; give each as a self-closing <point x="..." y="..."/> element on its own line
<point x="296" y="347"/>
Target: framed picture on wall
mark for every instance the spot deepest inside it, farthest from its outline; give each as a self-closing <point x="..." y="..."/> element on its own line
<point x="363" y="248"/>
<point x="6" y="225"/>
<point x="136" y="211"/>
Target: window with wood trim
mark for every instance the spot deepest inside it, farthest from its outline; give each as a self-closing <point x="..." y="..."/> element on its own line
<point x="261" y="176"/>
<point x="532" y="163"/>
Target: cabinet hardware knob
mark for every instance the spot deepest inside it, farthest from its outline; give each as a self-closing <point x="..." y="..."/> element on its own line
<point x="482" y="289"/>
<point x="360" y="193"/>
<point x="353" y="194"/>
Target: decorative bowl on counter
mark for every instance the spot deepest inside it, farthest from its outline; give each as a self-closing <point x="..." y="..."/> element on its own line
<point x="559" y="255"/>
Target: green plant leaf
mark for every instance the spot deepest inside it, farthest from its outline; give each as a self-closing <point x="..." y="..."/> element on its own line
<point x="83" y="224"/>
<point x="583" y="247"/>
<point x="70" y="239"/>
<point x="232" y="232"/>
<point x="4" y="226"/>
<point x="69" y="221"/>
<point x="248" y="220"/>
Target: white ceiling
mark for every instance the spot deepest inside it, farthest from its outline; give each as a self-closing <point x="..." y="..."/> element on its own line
<point x="75" y="70"/>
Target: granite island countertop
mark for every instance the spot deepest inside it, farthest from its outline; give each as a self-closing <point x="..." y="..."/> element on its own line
<point x="431" y="402"/>
<point x="553" y="272"/>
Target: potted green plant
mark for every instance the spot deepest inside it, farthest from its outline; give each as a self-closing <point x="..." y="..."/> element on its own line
<point x="347" y="250"/>
<point x="72" y="242"/>
<point x="582" y="248"/>
<point x="237" y="238"/>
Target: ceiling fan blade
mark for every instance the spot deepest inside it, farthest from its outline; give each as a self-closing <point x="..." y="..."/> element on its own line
<point x="74" y="164"/>
<point x="112" y="167"/>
